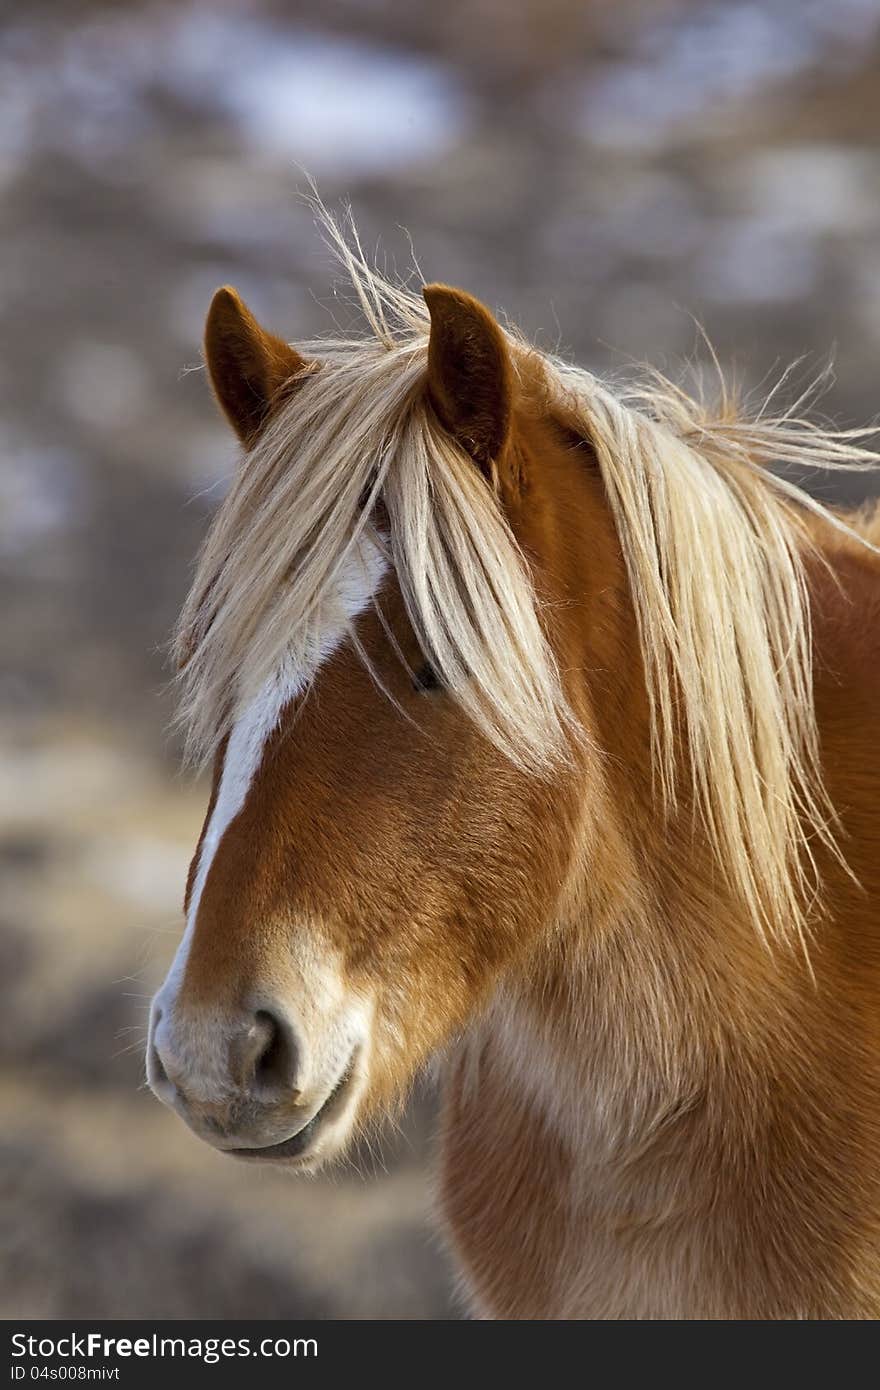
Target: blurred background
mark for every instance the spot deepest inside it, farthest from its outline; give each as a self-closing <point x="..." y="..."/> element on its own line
<point x="602" y="172"/>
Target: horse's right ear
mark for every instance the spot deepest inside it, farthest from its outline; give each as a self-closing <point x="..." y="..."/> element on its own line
<point x="249" y="368"/>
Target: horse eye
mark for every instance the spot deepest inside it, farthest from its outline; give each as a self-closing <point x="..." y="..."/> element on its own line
<point x="426" y="679"/>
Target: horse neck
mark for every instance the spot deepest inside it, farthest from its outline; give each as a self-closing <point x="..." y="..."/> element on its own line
<point x="652" y="980"/>
<point x="651" y="994"/>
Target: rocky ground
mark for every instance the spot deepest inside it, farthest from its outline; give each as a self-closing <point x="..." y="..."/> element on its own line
<point x="603" y="173"/>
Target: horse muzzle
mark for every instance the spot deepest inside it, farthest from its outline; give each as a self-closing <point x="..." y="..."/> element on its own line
<point x="252" y="1085"/>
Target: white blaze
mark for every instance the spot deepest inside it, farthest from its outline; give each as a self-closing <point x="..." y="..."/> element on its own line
<point x="358" y="582"/>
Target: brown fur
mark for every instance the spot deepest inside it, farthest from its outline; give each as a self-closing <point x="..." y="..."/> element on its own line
<point x="648" y="1112"/>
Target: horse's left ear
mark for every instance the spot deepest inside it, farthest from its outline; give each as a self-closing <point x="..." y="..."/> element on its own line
<point x="470" y="378"/>
<point x="249" y="368"/>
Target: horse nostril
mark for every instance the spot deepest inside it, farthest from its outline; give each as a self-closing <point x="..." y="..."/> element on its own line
<point x="266" y="1056"/>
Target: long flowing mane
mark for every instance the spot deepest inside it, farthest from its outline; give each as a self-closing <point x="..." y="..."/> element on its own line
<point x="714" y="546"/>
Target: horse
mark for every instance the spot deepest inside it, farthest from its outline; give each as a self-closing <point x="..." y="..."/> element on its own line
<point x="544" y="716"/>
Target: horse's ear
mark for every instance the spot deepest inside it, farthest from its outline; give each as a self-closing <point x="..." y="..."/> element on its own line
<point x="248" y="366"/>
<point x="470" y="379"/>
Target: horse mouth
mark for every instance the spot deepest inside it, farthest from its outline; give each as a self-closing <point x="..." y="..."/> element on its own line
<point x="297" y="1145"/>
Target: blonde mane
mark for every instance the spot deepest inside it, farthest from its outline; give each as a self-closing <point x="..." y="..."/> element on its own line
<point x="713" y="544"/>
